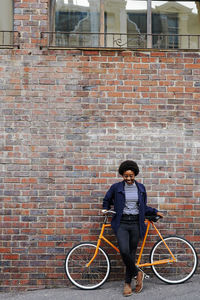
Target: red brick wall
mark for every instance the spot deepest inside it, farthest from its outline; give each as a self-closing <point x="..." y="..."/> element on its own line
<point x="68" y="118"/>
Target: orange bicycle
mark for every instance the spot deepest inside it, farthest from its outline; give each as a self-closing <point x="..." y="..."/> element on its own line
<point x="172" y="259"/>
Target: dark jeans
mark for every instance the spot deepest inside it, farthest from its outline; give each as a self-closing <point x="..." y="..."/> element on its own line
<point x="128" y="238"/>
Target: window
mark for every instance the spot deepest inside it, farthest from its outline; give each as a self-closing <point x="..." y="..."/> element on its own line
<point x="176" y="24"/>
<point x="125" y="23"/>
<point x="6" y="22"/>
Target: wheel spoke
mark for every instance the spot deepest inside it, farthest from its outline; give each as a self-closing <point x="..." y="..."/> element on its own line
<point x="184" y="266"/>
<point x="76" y="266"/>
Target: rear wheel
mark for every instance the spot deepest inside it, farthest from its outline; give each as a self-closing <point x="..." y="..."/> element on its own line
<point x="79" y="274"/>
<point x="184" y="266"/>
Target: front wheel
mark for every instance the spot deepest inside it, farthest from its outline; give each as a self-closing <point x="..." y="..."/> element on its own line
<point x="79" y="274"/>
<point x="184" y="266"/>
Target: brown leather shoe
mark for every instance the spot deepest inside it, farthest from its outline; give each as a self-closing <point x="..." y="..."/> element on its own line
<point x="139" y="282"/>
<point x="127" y="290"/>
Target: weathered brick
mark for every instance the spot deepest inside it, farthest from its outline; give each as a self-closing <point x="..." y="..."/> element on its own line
<point x="68" y="118"/>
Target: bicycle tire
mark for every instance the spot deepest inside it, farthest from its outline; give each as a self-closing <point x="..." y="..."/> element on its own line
<point x="179" y="271"/>
<point x="87" y="278"/>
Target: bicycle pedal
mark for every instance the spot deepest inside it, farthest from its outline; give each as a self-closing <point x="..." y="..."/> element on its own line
<point x="145" y="275"/>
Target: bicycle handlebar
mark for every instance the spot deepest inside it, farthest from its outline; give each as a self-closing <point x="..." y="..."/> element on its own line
<point x="151" y="218"/>
<point x="106" y="212"/>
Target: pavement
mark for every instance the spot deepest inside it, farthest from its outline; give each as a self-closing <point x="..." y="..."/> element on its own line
<point x="154" y="289"/>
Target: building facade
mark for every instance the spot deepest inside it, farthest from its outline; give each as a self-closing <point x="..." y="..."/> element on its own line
<point x="85" y="85"/>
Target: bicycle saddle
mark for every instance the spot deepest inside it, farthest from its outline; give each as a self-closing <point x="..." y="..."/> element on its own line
<point x="152" y="218"/>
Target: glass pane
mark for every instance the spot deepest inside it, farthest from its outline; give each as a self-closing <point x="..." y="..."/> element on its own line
<point x="136" y="23"/>
<point x="125" y="21"/>
<point x="6" y="21"/>
<point x="176" y="24"/>
<point x="137" y="16"/>
<point x="79" y="19"/>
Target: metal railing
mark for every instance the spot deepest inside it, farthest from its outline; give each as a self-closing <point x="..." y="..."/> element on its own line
<point x="61" y="39"/>
<point x="9" y="39"/>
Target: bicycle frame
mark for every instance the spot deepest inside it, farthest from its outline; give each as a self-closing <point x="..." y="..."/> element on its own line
<point x="159" y="262"/>
<point x="101" y="237"/>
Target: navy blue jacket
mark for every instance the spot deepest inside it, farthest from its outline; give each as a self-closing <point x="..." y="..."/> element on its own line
<point x="116" y="196"/>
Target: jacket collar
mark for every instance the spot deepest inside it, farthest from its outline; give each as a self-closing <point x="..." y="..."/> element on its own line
<point x="121" y="185"/>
